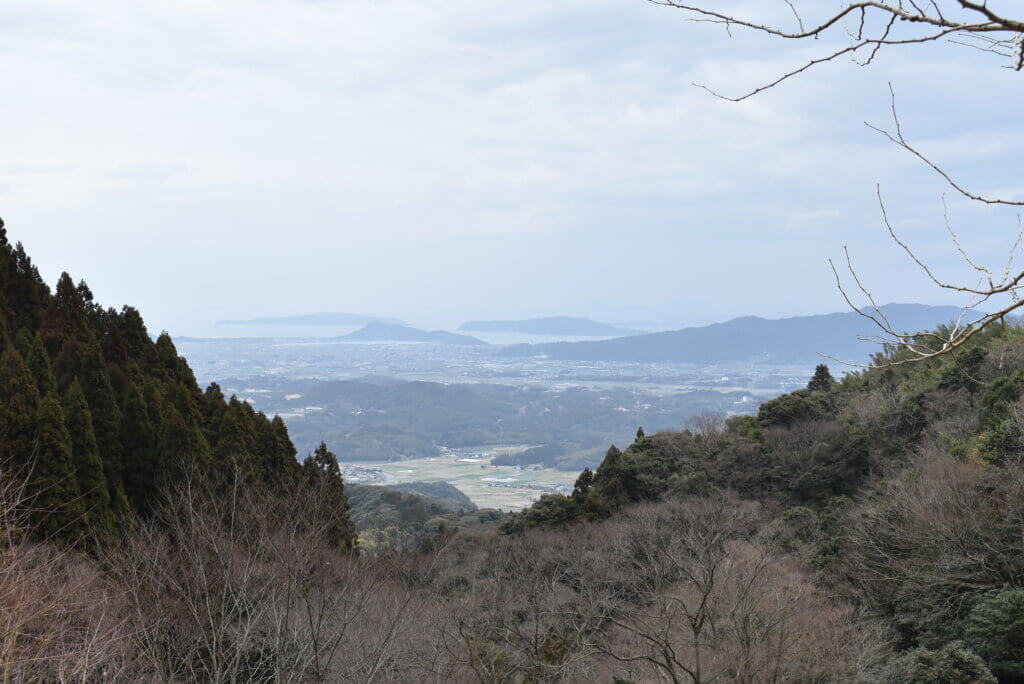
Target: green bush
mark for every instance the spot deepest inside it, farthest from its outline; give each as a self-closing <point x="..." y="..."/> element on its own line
<point x="995" y="631"/>
<point x="951" y="664"/>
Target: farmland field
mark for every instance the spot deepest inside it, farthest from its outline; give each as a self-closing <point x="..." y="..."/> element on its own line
<point x="489" y="486"/>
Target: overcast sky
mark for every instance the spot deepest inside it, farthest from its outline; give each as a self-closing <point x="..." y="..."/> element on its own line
<point x="439" y="160"/>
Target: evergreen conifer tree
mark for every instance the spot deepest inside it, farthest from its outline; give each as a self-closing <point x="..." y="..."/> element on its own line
<point x="57" y="509"/>
<point x="165" y="359"/>
<point x="65" y="317"/>
<point x="85" y="455"/>
<point x="283" y="449"/>
<point x="106" y="415"/>
<point x="822" y="380"/>
<point x="322" y="471"/>
<point x="640" y="433"/>
<point x="582" y="487"/>
<point x="181" y="448"/>
<point x="19" y="401"/>
<point x="38" y="361"/>
<point x="26" y="292"/>
<point x="615" y="478"/>
<point x="23" y="342"/>
<point x="141" y="458"/>
<point x="5" y="314"/>
<point x="154" y="405"/>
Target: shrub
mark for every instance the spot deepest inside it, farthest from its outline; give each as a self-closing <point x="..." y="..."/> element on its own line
<point x="951" y="664"/>
<point x="995" y="631"/>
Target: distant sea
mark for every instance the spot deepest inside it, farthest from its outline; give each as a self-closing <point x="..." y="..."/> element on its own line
<point x="222" y="331"/>
<point x="215" y="330"/>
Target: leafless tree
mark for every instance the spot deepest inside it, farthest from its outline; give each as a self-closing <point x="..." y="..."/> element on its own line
<point x="691" y="591"/>
<point x="241" y="585"/>
<point x="60" y="619"/>
<point x="514" y="617"/>
<point x="864" y="29"/>
<point x="935" y="534"/>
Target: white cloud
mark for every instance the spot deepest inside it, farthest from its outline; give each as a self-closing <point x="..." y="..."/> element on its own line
<point x="288" y="136"/>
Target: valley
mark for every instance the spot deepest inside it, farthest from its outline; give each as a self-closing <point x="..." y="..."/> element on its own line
<point x="400" y="412"/>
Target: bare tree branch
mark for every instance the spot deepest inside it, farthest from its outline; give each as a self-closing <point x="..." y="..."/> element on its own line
<point x="880" y="25"/>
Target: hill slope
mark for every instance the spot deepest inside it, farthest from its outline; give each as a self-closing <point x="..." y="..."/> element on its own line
<point x="553" y="325"/>
<point x="104" y="418"/>
<point x="389" y="332"/>
<point x="788" y="340"/>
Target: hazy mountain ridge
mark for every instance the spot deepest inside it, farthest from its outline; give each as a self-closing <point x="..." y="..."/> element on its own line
<point x="798" y="339"/>
<point x="389" y="332"/>
<point x="551" y="325"/>
<point x="324" y="318"/>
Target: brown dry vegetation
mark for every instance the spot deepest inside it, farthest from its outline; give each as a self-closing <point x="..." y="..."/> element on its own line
<point x="868" y="532"/>
<point x="237" y="588"/>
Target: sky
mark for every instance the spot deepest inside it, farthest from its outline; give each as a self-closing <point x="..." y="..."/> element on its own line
<point x="446" y="160"/>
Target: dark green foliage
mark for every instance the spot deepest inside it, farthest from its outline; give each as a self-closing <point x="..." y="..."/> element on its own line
<point x="550" y="510"/>
<point x="407" y="518"/>
<point x="817" y="460"/>
<point x="799" y="406"/>
<point x="951" y="664"/>
<point x="85" y="455"/>
<point x="39" y="364"/>
<point x="19" y="400"/>
<point x="394" y="420"/>
<point x="822" y="381"/>
<point x="133" y="415"/>
<point x="139" y="449"/>
<point x="64" y="318"/>
<point x="639" y="433"/>
<point x="581" y="489"/>
<point x="25" y="292"/>
<point x="1000" y="395"/>
<point x="616" y="477"/>
<point x="106" y="412"/>
<point x="443" y="494"/>
<point x="181" y="449"/>
<point x="23" y="342"/>
<point x="804" y="448"/>
<point x="154" y="405"/>
<point x="323" y="474"/>
<point x="964" y="371"/>
<point x="57" y="507"/>
<point x="995" y="631"/>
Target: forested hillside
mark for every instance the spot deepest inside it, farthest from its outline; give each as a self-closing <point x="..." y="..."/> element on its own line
<point x="900" y="488"/>
<point x="99" y="417"/>
<point x="367" y="420"/>
<point x="867" y="528"/>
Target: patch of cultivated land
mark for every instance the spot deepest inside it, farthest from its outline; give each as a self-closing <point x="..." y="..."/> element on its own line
<point x="488" y="486"/>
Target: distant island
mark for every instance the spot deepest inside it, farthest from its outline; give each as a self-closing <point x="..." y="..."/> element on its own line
<point x="553" y="325"/>
<point x="390" y="332"/>
<point x="800" y="339"/>
<point x="338" y="319"/>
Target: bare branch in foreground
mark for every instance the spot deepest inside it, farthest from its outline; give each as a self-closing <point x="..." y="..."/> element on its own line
<point x="869" y="26"/>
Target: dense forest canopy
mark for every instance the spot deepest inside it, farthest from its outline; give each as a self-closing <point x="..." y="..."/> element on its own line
<point x="99" y="417"/>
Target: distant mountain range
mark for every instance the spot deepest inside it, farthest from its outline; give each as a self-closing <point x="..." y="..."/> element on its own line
<point x="338" y="319"/>
<point x="788" y="340"/>
<point x="553" y="325"/>
<point x="389" y="332"/>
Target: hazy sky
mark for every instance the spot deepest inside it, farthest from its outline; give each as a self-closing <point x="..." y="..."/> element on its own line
<point x="438" y="160"/>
